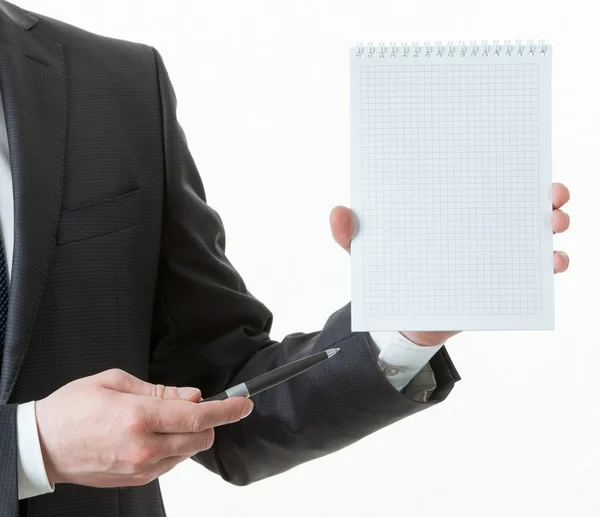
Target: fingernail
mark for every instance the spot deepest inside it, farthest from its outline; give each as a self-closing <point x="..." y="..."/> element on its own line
<point x="187" y="393"/>
<point x="565" y="256"/>
<point x="248" y="410"/>
<point x="568" y="217"/>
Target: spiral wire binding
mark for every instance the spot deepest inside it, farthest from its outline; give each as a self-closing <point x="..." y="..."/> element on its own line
<point x="473" y="49"/>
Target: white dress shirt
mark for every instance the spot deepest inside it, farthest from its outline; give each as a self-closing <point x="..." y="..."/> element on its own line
<point x="399" y="358"/>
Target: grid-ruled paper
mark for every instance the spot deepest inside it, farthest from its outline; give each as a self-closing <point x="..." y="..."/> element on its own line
<point x="451" y="183"/>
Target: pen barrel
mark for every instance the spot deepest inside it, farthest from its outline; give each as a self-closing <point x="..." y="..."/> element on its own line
<point x="284" y="373"/>
<point x="219" y="396"/>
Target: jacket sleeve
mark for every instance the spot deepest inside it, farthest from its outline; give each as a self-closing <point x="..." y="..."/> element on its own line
<point x="9" y="495"/>
<point x="210" y="332"/>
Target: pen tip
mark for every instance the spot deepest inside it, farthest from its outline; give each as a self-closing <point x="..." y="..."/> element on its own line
<point x="332" y="351"/>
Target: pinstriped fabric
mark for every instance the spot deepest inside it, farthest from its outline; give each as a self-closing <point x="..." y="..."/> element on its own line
<point x="9" y="504"/>
<point x="3" y="298"/>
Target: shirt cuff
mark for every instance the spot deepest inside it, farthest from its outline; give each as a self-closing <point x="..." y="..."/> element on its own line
<point x="400" y="359"/>
<point x="32" y="478"/>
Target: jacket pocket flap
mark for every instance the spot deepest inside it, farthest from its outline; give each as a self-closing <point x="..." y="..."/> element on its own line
<point x="100" y="218"/>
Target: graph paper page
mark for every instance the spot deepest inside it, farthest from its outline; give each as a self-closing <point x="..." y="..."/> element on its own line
<point x="451" y="190"/>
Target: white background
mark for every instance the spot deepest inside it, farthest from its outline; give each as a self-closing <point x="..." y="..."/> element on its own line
<point x="263" y="97"/>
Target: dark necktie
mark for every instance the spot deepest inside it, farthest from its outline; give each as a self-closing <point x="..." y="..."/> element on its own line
<point x="3" y="297"/>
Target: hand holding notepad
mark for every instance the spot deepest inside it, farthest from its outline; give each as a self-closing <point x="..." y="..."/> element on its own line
<point x="342" y="228"/>
<point x="451" y="187"/>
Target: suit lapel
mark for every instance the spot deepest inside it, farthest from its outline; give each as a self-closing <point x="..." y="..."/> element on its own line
<point x="33" y="86"/>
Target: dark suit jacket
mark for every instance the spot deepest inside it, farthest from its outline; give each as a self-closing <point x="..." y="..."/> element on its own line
<point x="119" y="262"/>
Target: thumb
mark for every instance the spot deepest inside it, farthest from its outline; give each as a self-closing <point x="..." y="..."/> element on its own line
<point x="124" y="382"/>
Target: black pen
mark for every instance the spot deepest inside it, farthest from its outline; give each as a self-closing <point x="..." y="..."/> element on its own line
<point x="274" y="377"/>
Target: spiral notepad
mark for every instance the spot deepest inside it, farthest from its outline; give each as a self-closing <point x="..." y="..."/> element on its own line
<point x="451" y="187"/>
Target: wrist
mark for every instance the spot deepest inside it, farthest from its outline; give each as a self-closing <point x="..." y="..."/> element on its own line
<point x="51" y="470"/>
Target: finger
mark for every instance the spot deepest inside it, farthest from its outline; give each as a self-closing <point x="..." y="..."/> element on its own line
<point x="183" y="444"/>
<point x="561" y="261"/>
<point x="342" y="226"/>
<point x="189" y="394"/>
<point x="174" y="393"/>
<point x="124" y="382"/>
<point x="152" y="471"/>
<point x="560" y="221"/>
<point x="176" y="416"/>
<point x="167" y="464"/>
<point x="560" y="195"/>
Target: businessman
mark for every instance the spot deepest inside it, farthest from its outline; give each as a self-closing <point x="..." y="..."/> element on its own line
<point x="117" y="300"/>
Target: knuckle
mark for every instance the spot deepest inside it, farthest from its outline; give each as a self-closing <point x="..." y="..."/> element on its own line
<point x="135" y="420"/>
<point x="114" y="374"/>
<point x="154" y="390"/>
<point x="206" y="439"/>
<point x="197" y="423"/>
<point x="170" y="393"/>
